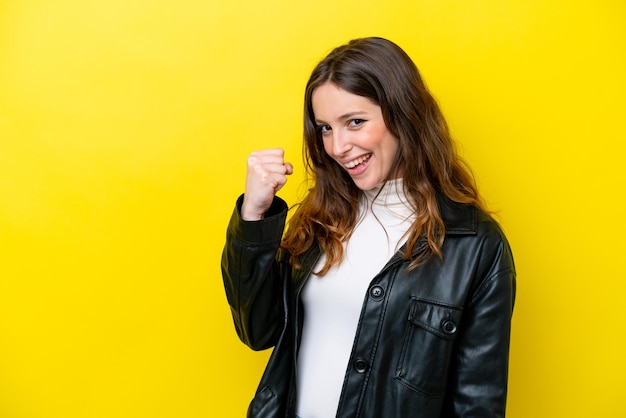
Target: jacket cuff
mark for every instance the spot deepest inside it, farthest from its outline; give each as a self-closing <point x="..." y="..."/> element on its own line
<point x="267" y="230"/>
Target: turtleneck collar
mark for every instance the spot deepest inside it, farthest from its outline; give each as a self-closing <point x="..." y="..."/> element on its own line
<point x="390" y="193"/>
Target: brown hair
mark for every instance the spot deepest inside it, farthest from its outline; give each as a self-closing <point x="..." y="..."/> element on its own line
<point x="381" y="71"/>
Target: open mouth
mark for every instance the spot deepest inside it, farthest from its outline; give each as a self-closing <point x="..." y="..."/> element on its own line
<point x="358" y="161"/>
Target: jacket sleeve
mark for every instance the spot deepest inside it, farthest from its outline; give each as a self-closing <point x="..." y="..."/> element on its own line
<point x="252" y="277"/>
<point x="478" y="386"/>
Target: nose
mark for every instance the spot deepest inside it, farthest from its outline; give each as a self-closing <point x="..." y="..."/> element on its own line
<point x="341" y="143"/>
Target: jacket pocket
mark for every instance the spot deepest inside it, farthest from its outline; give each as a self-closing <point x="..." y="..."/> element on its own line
<point x="427" y="346"/>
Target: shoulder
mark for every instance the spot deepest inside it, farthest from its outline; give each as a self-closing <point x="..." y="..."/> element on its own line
<point x="481" y="235"/>
<point x="495" y="275"/>
<point x="464" y="219"/>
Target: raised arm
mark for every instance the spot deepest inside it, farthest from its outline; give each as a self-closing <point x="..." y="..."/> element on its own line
<point x="252" y="276"/>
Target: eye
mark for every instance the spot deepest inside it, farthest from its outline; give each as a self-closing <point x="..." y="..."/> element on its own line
<point x="323" y="129"/>
<point x="353" y="123"/>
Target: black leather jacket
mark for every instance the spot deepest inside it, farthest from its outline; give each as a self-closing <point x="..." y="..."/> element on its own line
<point x="431" y="342"/>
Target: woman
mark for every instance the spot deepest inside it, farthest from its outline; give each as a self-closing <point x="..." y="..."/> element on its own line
<point x="391" y="293"/>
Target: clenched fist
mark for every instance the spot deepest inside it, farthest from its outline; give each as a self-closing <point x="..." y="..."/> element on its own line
<point x="267" y="174"/>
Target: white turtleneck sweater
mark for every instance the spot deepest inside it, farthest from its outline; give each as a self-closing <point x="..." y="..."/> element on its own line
<point x="333" y="302"/>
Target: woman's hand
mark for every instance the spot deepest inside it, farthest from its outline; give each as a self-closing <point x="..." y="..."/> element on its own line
<point x="267" y="174"/>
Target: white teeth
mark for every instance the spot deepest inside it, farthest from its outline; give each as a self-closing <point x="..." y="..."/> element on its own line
<point x="358" y="161"/>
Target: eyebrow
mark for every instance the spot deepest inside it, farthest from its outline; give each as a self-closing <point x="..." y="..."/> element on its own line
<point x="345" y="116"/>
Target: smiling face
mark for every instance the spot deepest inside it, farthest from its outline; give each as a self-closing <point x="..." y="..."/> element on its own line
<point x="355" y="135"/>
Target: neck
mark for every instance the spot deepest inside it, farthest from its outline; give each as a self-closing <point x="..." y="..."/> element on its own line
<point x="389" y="192"/>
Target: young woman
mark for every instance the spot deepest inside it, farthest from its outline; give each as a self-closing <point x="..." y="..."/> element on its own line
<point x="391" y="292"/>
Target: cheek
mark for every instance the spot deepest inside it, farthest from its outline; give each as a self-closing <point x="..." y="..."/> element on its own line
<point x="328" y="146"/>
<point x="385" y="139"/>
<point x="394" y="145"/>
<point x="391" y="145"/>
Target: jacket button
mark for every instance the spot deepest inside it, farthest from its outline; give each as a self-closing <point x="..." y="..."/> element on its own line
<point x="448" y="326"/>
<point x="360" y="365"/>
<point x="377" y="292"/>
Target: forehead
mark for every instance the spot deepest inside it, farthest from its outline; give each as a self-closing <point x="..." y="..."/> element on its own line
<point x="332" y="102"/>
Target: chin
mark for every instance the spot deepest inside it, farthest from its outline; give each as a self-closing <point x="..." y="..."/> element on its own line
<point x="366" y="185"/>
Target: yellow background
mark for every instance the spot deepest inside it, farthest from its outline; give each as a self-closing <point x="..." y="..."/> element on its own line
<point x="124" y="128"/>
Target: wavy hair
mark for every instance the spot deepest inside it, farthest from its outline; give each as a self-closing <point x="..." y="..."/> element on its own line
<point x="381" y="71"/>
